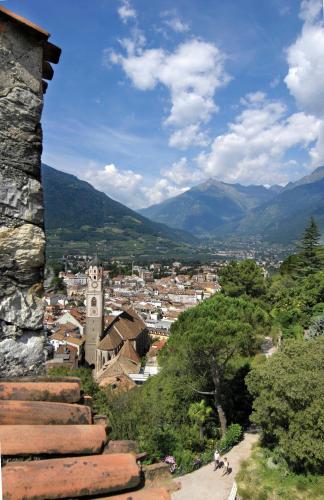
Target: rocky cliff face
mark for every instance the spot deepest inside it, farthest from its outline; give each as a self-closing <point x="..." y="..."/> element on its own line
<point x="22" y="239"/>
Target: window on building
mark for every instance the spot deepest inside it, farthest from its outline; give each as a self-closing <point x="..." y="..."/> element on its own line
<point x="93" y="302"/>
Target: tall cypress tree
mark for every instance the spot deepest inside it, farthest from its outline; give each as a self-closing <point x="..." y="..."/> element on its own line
<point x="309" y="244"/>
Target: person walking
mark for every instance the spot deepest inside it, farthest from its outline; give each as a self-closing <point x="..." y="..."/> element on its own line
<point x="226" y="466"/>
<point x="216" y="459"/>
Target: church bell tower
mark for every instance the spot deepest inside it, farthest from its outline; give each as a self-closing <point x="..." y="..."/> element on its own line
<point x="95" y="310"/>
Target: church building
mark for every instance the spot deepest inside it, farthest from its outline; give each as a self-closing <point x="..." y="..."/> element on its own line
<point x="122" y="335"/>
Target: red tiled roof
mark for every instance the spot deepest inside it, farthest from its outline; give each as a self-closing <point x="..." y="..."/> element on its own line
<point x="43" y="427"/>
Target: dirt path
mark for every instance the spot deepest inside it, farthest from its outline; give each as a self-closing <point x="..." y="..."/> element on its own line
<point x="207" y="484"/>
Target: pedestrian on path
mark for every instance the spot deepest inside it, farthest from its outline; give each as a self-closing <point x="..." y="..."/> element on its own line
<point x="226" y="466"/>
<point x="216" y="459"/>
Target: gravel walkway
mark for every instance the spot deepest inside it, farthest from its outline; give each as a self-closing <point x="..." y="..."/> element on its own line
<point x="207" y="484"/>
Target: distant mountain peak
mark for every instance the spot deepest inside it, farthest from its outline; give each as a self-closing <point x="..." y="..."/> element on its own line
<point x="318" y="170"/>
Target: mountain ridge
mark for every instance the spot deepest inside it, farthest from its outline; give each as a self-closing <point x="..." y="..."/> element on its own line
<point x="277" y="213"/>
<point x="79" y="216"/>
<point x="208" y="205"/>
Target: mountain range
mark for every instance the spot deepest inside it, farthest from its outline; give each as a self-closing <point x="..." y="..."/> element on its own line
<point x="218" y="210"/>
<point x="81" y="219"/>
<point x="208" y="206"/>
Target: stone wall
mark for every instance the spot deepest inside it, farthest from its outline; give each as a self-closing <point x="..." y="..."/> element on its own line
<point x="22" y="239"/>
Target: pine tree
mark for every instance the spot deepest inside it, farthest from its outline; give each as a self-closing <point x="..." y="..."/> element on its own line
<point x="309" y="243"/>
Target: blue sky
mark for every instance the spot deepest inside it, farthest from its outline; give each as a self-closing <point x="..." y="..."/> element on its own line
<point x="152" y="97"/>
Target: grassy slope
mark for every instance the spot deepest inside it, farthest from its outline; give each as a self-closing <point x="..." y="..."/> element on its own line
<point x="259" y="481"/>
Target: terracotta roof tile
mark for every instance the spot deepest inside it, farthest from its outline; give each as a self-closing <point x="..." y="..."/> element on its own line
<point x="26" y="440"/>
<point x="37" y="428"/>
<point x="70" y="477"/>
<point x="43" y="413"/>
<point x="24" y="22"/>
<point x="20" y="390"/>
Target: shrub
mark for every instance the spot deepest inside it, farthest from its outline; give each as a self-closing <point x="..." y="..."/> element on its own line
<point x="288" y="391"/>
<point x="232" y="436"/>
<point x="185" y="460"/>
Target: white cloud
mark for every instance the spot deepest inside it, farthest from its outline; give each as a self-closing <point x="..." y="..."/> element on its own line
<point x="122" y="185"/>
<point x="305" y="77"/>
<point x="129" y="187"/>
<point x="126" y="11"/>
<point x="172" y="20"/>
<point x="160" y="191"/>
<point x="177" y="25"/>
<point x="317" y="152"/>
<point x="189" y="136"/>
<point x="254" y="147"/>
<point x="181" y="175"/>
<point x="192" y="74"/>
<point x="310" y="10"/>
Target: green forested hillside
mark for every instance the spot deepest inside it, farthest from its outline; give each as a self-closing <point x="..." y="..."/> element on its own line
<point x="78" y="218"/>
<point x="282" y="219"/>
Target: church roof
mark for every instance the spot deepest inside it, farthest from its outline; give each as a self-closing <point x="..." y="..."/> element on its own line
<point x="129" y="352"/>
<point x="111" y="341"/>
<point x="126" y="326"/>
<point x="119" y="365"/>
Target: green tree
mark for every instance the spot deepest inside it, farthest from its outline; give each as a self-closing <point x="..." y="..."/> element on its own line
<point x="288" y="390"/>
<point x="208" y="339"/>
<point x="198" y="414"/>
<point x="309" y="245"/>
<point x="296" y="301"/>
<point x="242" y="278"/>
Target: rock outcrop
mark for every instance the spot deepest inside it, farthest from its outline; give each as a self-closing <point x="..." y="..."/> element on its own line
<point x="23" y="50"/>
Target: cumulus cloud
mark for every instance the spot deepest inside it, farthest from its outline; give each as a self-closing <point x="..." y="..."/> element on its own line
<point x="173" y="21"/>
<point x="180" y="173"/>
<point x="192" y="73"/>
<point x="305" y="77"/>
<point x="160" y="191"/>
<point x="254" y="147"/>
<point x="126" y="11"/>
<point x="310" y="10"/>
<point x="122" y="185"/>
<point x="130" y="188"/>
<point x="189" y="136"/>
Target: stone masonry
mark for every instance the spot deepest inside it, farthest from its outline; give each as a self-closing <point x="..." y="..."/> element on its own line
<point x="22" y="238"/>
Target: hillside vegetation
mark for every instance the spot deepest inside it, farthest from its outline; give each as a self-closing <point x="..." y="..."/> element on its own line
<point x="215" y="381"/>
<point x="79" y="219"/>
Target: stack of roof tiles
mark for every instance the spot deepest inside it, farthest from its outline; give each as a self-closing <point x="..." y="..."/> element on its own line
<point x="51" y="449"/>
